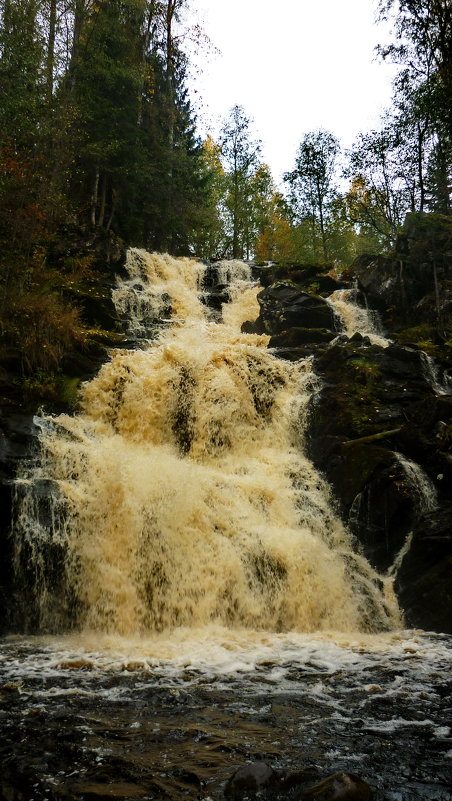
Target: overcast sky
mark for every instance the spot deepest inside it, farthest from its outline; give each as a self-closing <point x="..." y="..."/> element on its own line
<point x="295" y="66"/>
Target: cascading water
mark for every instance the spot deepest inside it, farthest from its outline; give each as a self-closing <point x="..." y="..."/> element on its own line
<point x="188" y="498"/>
<point x="354" y="318"/>
<point x="176" y="523"/>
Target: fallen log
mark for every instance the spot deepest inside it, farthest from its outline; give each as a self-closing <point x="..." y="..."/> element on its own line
<point x="371" y="438"/>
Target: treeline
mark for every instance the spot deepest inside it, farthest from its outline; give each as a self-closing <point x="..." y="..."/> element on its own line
<point x="404" y="166"/>
<point x="97" y="133"/>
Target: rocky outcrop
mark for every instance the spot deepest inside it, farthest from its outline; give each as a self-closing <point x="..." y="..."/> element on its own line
<point x="85" y="262"/>
<point x="380" y="452"/>
<point x="381" y="425"/>
<point x="412" y="287"/>
<point x="285" y="305"/>
<point x="423" y="581"/>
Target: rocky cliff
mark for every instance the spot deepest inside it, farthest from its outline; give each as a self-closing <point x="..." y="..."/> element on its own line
<point x="381" y="424"/>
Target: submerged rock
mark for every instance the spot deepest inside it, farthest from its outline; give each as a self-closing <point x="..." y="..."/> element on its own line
<point x="339" y="787"/>
<point x="250" y="780"/>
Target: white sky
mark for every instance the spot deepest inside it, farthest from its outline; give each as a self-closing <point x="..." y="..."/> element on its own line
<point x="295" y="66"/>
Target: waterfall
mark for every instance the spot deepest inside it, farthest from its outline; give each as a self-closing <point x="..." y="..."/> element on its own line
<point x="354" y="318"/>
<point x="188" y="498"/>
<point x="421" y="486"/>
<point x="440" y="384"/>
<point x="157" y="288"/>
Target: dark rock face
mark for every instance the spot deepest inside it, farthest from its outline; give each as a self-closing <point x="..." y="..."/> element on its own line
<point x="413" y="285"/>
<point x="381" y="425"/>
<point x="103" y="255"/>
<point x="285" y="305"/>
<point x="380" y="435"/>
<point x="423" y="581"/>
<point x="18" y="435"/>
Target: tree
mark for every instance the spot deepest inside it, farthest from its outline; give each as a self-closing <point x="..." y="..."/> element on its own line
<point x="107" y="93"/>
<point x="311" y="182"/>
<point x="424" y="88"/>
<point x="210" y="238"/>
<point x="379" y="196"/>
<point x="240" y="153"/>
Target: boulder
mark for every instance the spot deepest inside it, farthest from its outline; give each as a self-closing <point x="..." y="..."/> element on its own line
<point x="251" y="780"/>
<point x="284" y="305"/>
<point x="423" y="580"/>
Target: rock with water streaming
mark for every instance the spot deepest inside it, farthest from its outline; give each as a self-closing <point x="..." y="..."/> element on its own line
<point x="423" y="579"/>
<point x="284" y="305"/>
<point x="203" y="395"/>
<point x="411" y="286"/>
<point x="385" y="486"/>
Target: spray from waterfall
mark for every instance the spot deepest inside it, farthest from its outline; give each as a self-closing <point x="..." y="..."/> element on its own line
<point x="188" y="498"/>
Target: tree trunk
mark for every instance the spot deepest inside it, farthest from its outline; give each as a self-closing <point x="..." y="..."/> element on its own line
<point x="114" y="200"/>
<point x="170" y="9"/>
<point x="94" y="197"/>
<point x="50" y="59"/>
<point x="79" y="15"/>
<point x="322" y="222"/>
<point x="103" y="199"/>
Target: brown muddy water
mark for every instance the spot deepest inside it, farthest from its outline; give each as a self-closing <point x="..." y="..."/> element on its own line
<point x="178" y="519"/>
<point x="92" y="718"/>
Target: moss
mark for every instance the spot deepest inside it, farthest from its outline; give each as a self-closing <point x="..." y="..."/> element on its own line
<point x="69" y="392"/>
<point x="102" y="336"/>
<point x="357" y="382"/>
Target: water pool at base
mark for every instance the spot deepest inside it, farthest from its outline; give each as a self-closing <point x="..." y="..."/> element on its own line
<point x="89" y="717"/>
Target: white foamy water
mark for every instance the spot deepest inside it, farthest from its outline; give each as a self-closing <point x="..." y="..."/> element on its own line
<point x="188" y="498"/>
<point x="355" y="319"/>
<point x="221" y="655"/>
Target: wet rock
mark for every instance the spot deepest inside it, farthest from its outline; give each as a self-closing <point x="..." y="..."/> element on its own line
<point x="386" y="488"/>
<point x="339" y="787"/>
<point x="285" y="305"/>
<point x="296" y="336"/>
<point x="365" y="390"/>
<point x="378" y="499"/>
<point x="412" y="285"/>
<point x="423" y="580"/>
<point x="250" y="780"/>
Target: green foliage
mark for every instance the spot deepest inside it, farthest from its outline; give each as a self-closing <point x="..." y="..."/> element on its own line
<point x="311" y="185"/>
<point x="51" y="387"/>
<point x="240" y="153"/>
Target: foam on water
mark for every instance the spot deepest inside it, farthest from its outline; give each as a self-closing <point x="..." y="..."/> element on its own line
<point x="354" y="318"/>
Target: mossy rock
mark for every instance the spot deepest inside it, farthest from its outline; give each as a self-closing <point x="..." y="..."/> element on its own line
<point x="301" y="336"/>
